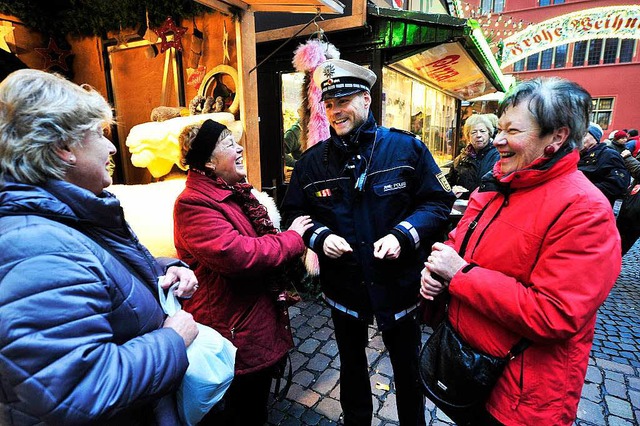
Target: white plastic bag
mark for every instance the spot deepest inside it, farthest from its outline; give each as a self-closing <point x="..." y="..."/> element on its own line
<point x="211" y="365"/>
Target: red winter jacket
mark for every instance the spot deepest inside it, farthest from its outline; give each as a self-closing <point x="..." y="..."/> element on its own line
<point x="548" y="253"/>
<point x="231" y="262"/>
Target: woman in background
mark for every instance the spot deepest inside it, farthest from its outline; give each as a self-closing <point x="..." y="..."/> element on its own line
<point x="227" y="235"/>
<point x="83" y="339"/>
<point x="476" y="159"/>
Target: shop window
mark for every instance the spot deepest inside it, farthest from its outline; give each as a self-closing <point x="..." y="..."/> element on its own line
<point x="595" y="50"/>
<point x="492" y="6"/>
<point x="428" y="113"/>
<point x="602" y="109"/>
<point x="610" y="51"/>
<point x="626" y="50"/>
<point x="545" y="59"/>
<point x="532" y="62"/>
<point x="561" y="56"/>
<point x="579" y="53"/>
<point x="291" y="102"/>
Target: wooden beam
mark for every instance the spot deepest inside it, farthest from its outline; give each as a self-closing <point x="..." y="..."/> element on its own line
<point x="248" y="82"/>
<point x="225" y="6"/>
<point x="297" y="6"/>
<point x="357" y="19"/>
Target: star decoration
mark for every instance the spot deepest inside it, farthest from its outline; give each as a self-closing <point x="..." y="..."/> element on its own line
<point x="53" y="55"/>
<point x="5" y="31"/>
<point x="170" y="27"/>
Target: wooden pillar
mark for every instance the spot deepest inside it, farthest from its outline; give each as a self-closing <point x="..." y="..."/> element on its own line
<point x="246" y="45"/>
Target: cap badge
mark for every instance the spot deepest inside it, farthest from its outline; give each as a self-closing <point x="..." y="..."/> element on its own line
<point x="329" y="70"/>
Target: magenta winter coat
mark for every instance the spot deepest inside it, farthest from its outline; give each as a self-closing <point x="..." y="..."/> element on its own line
<point x="231" y="262"/>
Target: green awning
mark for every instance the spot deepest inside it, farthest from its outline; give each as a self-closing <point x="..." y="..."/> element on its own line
<point x="438" y="49"/>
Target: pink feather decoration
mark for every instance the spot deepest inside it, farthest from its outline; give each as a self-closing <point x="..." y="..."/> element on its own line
<point x="314" y="123"/>
<point x="306" y="59"/>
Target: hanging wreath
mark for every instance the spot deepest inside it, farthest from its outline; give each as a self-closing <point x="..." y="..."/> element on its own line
<point x="214" y="85"/>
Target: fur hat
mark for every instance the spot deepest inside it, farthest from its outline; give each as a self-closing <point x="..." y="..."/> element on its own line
<point x="595" y="131"/>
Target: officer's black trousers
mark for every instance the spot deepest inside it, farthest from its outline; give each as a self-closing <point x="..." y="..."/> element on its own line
<point x="403" y="343"/>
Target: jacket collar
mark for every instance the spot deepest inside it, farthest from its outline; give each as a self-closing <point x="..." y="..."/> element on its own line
<point x="57" y="198"/>
<point x="207" y="186"/>
<point x="565" y="161"/>
<point x="358" y="137"/>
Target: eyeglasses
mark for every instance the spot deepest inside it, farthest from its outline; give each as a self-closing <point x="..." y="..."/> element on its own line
<point x="482" y="132"/>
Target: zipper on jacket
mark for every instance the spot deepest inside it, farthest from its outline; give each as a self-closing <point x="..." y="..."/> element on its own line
<point x="233" y="333"/>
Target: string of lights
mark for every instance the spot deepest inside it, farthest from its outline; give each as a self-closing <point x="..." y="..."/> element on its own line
<point x="495" y="25"/>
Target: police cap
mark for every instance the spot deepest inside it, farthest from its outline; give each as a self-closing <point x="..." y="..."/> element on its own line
<point x="337" y="78"/>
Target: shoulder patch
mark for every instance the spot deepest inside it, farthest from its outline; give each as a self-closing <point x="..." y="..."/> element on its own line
<point x="406" y="132"/>
<point x="443" y="182"/>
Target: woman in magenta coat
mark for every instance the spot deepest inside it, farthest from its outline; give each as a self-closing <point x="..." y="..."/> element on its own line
<point x="540" y="255"/>
<point x="228" y="238"/>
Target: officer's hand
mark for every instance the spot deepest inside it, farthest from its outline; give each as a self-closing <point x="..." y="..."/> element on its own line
<point x="387" y="247"/>
<point x="335" y="246"/>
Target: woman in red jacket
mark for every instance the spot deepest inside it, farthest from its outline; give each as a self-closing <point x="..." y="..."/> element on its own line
<point x="541" y="253"/>
<point x="228" y="238"/>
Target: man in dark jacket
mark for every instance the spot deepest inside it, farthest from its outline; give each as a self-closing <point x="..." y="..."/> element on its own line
<point x="378" y="201"/>
<point x="603" y="166"/>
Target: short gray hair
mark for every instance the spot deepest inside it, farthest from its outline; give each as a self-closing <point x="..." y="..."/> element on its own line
<point x="554" y="103"/>
<point x="41" y="113"/>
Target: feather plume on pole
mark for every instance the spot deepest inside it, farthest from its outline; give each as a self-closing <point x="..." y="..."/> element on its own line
<point x="313" y="120"/>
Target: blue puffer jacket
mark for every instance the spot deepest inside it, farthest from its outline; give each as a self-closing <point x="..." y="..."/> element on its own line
<point x="80" y="336"/>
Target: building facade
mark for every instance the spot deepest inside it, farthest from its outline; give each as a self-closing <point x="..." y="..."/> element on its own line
<point x="591" y="42"/>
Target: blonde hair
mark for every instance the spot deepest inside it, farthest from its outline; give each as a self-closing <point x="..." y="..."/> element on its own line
<point x="474" y="120"/>
<point x="41" y="113"/>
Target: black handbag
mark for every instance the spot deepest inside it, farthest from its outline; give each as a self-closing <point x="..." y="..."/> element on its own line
<point x="456" y="377"/>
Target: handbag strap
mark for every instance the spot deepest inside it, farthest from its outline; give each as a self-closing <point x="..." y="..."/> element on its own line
<point x="471" y="228"/>
<point x="523" y="343"/>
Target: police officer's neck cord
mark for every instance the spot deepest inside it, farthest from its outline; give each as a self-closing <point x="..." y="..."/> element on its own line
<point x="363" y="177"/>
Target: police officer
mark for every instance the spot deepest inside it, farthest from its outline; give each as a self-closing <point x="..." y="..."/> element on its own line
<point x="378" y="201"/>
<point x="603" y="166"/>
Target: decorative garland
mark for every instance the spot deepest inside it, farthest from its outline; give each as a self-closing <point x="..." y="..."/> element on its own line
<point x="96" y="17"/>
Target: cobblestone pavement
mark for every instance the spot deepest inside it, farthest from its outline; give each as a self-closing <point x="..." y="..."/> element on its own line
<point x="610" y="397"/>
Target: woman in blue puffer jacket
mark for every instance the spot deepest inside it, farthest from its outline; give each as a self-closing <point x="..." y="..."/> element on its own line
<point x="82" y="338"/>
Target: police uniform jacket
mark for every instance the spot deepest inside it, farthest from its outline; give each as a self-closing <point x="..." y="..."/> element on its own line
<point x="605" y="168"/>
<point x="378" y="182"/>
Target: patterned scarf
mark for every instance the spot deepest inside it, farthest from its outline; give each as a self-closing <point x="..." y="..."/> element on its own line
<point x="284" y="277"/>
